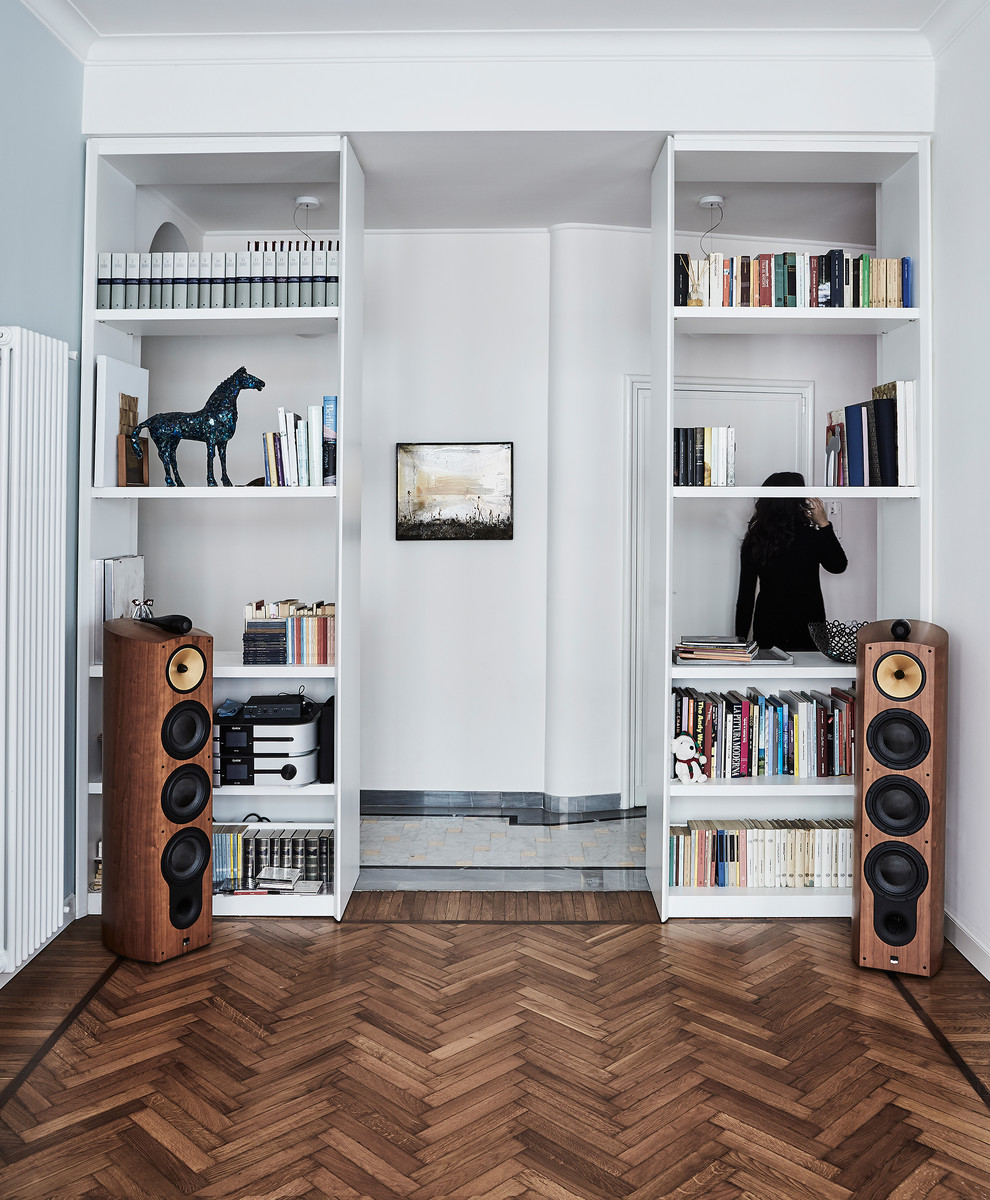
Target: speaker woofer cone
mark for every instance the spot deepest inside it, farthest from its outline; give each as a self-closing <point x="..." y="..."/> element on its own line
<point x="185" y="857"/>
<point x="186" y="729"/>
<point x="899" y="675"/>
<point x="185" y="669"/>
<point x="895" y="871"/>
<point x="897" y="805"/>
<point x="898" y="740"/>
<point x="185" y="793"/>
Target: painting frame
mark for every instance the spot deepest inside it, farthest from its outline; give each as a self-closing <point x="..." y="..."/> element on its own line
<point x="454" y="491"/>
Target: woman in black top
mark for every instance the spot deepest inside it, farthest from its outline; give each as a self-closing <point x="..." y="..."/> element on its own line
<point x="786" y="542"/>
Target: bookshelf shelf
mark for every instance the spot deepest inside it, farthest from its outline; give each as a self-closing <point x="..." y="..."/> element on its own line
<point x="791" y="322"/>
<point x="210" y="559"/>
<point x="288" y="793"/>
<point x="274" y="906"/>
<point x="219" y="495"/>
<point x="218" y="322"/>
<point x="760" y="902"/>
<point x="823" y="493"/>
<point x="749" y="788"/>
<point x="732" y="380"/>
<point x="227" y="664"/>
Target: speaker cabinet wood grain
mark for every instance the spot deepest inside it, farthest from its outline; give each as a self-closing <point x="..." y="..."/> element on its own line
<point x="157" y="790"/>
<point x="899" y="838"/>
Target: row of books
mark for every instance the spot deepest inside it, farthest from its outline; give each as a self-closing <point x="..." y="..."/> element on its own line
<point x="704" y="456"/>
<point x="302" y="452"/>
<point x="290" y="633"/>
<point x="245" y="855"/>
<point x="743" y="735"/>
<point x="793" y="279"/>
<point x="286" y="275"/>
<point x="762" y="854"/>
<point x="874" y="443"/>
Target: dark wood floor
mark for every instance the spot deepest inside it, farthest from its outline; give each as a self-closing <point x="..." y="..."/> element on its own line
<point x="434" y="1046"/>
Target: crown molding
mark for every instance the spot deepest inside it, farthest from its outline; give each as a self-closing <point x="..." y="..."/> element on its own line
<point x="63" y="20"/>
<point x="589" y="45"/>
<point x="950" y="21"/>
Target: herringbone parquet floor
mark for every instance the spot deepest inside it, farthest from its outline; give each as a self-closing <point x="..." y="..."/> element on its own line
<point x="427" y="1057"/>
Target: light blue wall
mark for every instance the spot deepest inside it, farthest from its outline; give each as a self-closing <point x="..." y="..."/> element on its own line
<point x="41" y="178"/>
<point x="41" y="233"/>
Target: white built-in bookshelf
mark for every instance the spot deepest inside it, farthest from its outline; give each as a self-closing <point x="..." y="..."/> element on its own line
<point x="210" y="551"/>
<point x="835" y="356"/>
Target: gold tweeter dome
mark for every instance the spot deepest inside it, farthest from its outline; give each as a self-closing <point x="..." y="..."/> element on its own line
<point x="185" y="669"/>
<point x="899" y="676"/>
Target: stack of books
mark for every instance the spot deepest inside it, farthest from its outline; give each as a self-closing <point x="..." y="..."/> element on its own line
<point x="269" y="274"/>
<point x="272" y="859"/>
<point x="714" y="647"/>
<point x="290" y="633"/>
<point x="759" y="853"/>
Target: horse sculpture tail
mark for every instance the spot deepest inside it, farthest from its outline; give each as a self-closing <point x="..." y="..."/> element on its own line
<point x="136" y="441"/>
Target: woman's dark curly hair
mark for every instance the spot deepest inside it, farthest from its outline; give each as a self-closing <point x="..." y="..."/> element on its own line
<point x="775" y="522"/>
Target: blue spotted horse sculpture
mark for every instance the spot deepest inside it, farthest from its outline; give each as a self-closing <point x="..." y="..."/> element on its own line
<point x="214" y="424"/>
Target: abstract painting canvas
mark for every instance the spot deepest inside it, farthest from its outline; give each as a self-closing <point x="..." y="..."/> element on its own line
<point x="453" y="491"/>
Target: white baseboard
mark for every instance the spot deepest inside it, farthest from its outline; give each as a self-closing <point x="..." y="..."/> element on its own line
<point x="968" y="945"/>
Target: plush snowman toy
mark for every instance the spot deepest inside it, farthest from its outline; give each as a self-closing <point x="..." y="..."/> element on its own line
<point x="688" y="761"/>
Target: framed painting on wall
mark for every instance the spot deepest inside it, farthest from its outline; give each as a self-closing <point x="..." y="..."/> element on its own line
<point x="453" y="491"/>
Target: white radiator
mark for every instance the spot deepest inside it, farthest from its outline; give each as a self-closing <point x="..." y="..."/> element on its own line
<point x="34" y="403"/>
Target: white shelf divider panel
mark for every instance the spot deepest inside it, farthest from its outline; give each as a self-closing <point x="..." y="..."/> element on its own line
<point x="760" y="902"/>
<point x="220" y="495"/>
<point x="790" y="322"/>
<point x="217" y="322"/>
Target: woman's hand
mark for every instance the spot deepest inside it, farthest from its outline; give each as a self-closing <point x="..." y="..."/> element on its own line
<point x="816" y="510"/>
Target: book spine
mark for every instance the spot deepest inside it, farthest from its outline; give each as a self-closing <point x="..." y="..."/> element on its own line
<point x="218" y="279"/>
<point x="329" y="441"/>
<point x="155" y="298"/>
<point x="256" y="293"/>
<point x="192" y="279"/>
<point x="320" y="277"/>
<point x="333" y="275"/>
<point x="144" y="281"/>
<point x="268" y="279"/>
<point x="205" y="279"/>
<point x="292" y="288"/>
<point x="168" y="279"/>
<point x="242" y="280"/>
<point x="104" y="261"/>
<point x="230" y="279"/>
<point x="132" y="272"/>
<point x="306" y="277"/>
<point x="180" y="274"/>
<point x="281" y="276"/>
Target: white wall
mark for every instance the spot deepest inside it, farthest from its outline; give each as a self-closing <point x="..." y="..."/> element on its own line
<point x="41" y="207"/>
<point x="454" y="633"/>
<point x="599" y="333"/>
<point x="961" y="172"/>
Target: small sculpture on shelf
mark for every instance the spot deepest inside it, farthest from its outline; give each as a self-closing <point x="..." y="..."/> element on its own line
<point x="213" y="424"/>
<point x="687" y="760"/>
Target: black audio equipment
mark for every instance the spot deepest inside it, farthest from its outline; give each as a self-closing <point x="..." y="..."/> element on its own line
<point x="899" y="840"/>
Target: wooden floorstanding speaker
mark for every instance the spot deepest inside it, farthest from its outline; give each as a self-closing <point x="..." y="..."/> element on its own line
<point x="899" y="840"/>
<point x="157" y="790"/>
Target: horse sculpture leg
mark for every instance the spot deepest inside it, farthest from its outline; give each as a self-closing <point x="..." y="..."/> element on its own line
<point x="210" y="477"/>
<point x="222" y="451"/>
<point x="172" y="464"/>
<point x="162" y="446"/>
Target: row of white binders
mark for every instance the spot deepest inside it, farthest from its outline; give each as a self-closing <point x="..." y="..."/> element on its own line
<point x="303" y="275"/>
